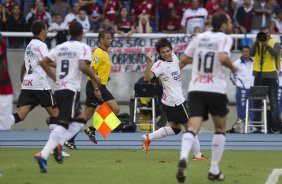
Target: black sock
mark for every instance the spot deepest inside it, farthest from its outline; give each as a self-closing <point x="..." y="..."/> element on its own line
<point x="17" y="117"/>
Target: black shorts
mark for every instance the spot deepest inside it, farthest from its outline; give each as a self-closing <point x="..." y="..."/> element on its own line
<point x="45" y="98"/>
<point x="202" y="103"/>
<point x="177" y="114"/>
<point x="68" y="104"/>
<point x="91" y="99"/>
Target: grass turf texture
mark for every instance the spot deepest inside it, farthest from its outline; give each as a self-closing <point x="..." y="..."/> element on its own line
<point x="133" y="167"/>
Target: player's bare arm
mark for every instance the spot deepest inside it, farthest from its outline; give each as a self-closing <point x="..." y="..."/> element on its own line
<point x="225" y="61"/>
<point x="45" y="65"/>
<point x="148" y="74"/>
<point x="185" y="60"/>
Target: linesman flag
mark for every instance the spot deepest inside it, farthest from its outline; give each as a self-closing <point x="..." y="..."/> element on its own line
<point x="105" y="120"/>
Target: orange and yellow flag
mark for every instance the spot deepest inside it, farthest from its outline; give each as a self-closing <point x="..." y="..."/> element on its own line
<point x="105" y="120"/>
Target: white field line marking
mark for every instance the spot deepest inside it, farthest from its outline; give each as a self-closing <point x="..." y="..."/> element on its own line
<point x="274" y="176"/>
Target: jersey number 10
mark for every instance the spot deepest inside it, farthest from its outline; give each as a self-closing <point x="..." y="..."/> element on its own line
<point x="208" y="58"/>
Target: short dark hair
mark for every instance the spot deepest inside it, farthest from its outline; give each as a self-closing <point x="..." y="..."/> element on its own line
<point x="102" y="34"/>
<point x="37" y="27"/>
<point x="218" y="19"/>
<point x="75" y="29"/>
<point x="245" y="47"/>
<point x="162" y="42"/>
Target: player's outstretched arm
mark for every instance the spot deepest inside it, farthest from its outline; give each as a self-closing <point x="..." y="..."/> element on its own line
<point x="45" y="65"/>
<point x="184" y="60"/>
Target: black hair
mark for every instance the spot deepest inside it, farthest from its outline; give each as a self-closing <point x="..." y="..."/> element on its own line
<point x="245" y="47"/>
<point x="37" y="27"/>
<point x="102" y="34"/>
<point x="75" y="29"/>
<point x="218" y="19"/>
<point x="163" y="42"/>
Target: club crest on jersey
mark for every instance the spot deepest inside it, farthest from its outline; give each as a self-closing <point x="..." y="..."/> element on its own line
<point x="96" y="59"/>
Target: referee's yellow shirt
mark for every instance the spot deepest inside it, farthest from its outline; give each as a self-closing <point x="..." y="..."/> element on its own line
<point x="102" y="64"/>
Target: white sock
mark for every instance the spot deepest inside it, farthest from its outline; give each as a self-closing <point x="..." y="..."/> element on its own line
<point x="217" y="151"/>
<point x="162" y="132"/>
<point x="196" y="147"/>
<point x="11" y="119"/>
<point x="73" y="129"/>
<point x="54" y="139"/>
<point x="186" y="144"/>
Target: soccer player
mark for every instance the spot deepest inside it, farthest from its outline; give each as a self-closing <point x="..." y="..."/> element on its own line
<point x="35" y="89"/>
<point x="167" y="69"/>
<point x="209" y="52"/>
<point x="6" y="88"/>
<point x="70" y="58"/>
<point x="102" y="65"/>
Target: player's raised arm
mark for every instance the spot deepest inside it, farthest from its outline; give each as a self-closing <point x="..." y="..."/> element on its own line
<point x="148" y="74"/>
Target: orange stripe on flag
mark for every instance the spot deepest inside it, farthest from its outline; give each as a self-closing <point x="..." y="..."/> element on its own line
<point x="104" y="110"/>
<point x="104" y="120"/>
<point x="104" y="130"/>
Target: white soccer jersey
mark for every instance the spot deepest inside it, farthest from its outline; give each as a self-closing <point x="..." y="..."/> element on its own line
<point x="170" y="76"/>
<point x="35" y="77"/>
<point x="67" y="56"/>
<point x="207" y="72"/>
<point x="194" y="18"/>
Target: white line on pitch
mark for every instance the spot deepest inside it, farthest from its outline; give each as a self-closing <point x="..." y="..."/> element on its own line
<point x="274" y="176"/>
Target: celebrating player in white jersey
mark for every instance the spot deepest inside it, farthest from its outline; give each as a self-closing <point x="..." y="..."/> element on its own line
<point x="166" y="68"/>
<point x="35" y="88"/>
<point x="70" y="58"/>
<point x="209" y="52"/>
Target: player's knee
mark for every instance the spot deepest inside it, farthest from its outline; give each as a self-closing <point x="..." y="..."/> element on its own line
<point x="116" y="110"/>
<point x="176" y="130"/>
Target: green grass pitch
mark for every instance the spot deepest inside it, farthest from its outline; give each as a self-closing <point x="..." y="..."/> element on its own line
<point x="90" y="166"/>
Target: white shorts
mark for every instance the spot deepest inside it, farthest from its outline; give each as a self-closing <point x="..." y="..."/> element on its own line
<point x="6" y="108"/>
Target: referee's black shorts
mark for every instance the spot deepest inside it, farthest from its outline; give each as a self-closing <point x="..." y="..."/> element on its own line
<point x="91" y="100"/>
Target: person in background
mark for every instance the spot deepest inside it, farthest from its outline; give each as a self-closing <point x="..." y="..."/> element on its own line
<point x="265" y="72"/>
<point x="280" y="83"/>
<point x="72" y="15"/>
<point x="60" y="28"/>
<point x="143" y="25"/>
<point x="124" y="26"/>
<point x="243" y="79"/>
<point x="6" y="88"/>
<point x="95" y="14"/>
<point x="16" y="23"/>
<point x="38" y="14"/>
<point x="83" y="19"/>
<point x="60" y="7"/>
<point x="194" y="17"/>
<point x="107" y="27"/>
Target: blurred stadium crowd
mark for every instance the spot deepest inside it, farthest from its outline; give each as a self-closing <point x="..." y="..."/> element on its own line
<point x="126" y="17"/>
